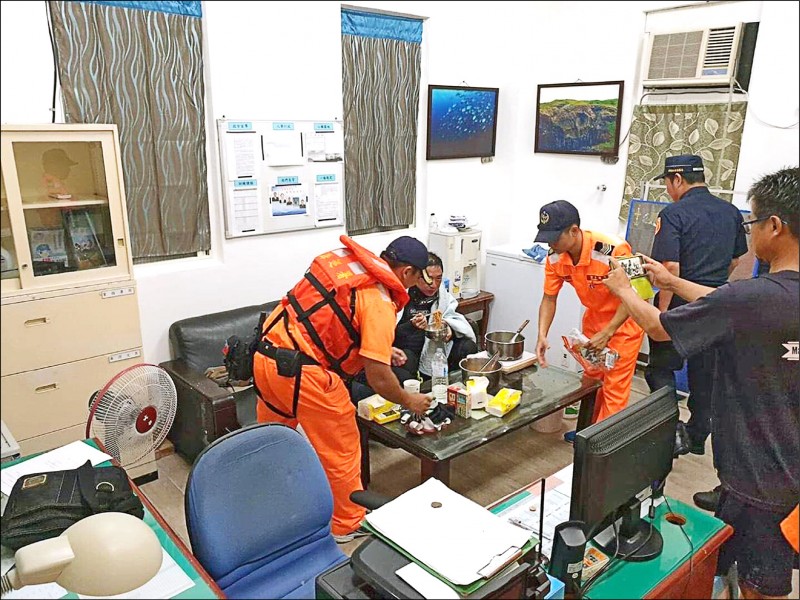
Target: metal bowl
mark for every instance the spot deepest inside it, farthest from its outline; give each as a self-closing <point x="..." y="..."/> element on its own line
<point x="470" y="368"/>
<point x="500" y="341"/>
<point x="437" y="335"/>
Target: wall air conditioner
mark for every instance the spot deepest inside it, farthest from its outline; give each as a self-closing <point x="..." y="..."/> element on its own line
<point x="706" y="57"/>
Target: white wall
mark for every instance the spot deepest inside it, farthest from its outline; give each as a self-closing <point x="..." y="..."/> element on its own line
<point x="282" y="60"/>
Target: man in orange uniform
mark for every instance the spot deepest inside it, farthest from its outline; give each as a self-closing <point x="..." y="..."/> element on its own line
<point x="338" y="319"/>
<point x="581" y="258"/>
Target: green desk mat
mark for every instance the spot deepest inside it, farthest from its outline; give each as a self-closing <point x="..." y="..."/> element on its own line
<point x="200" y="589"/>
<point x="635" y="579"/>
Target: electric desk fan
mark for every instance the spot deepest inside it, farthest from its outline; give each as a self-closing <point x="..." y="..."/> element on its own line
<point x="133" y="412"/>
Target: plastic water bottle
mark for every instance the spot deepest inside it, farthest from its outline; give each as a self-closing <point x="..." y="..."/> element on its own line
<point x="439" y="380"/>
<point x="433" y="224"/>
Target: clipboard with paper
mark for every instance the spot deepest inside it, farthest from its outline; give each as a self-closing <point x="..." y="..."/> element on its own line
<point x="452" y="537"/>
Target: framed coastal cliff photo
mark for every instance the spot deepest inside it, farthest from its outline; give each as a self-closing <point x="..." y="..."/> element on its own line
<point x="579" y="118"/>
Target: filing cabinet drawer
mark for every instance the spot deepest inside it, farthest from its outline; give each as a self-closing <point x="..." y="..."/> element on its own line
<point x="36" y="402"/>
<point x="52" y="331"/>
<point x="54" y="439"/>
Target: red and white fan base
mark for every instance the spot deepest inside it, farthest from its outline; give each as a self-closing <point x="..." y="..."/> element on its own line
<point x="131" y="415"/>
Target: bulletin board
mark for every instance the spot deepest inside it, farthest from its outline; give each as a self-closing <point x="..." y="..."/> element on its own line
<point x="281" y="175"/>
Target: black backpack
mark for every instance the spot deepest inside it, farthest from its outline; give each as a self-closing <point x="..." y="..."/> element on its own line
<point x="239" y="354"/>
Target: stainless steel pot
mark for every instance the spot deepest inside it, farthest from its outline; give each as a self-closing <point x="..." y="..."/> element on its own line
<point x="470" y="367"/>
<point x="499" y="341"/>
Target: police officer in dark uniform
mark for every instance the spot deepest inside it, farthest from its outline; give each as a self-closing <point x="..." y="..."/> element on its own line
<point x="699" y="237"/>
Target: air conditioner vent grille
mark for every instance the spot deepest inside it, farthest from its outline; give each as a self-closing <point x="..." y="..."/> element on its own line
<point x="675" y="55"/>
<point x="719" y="48"/>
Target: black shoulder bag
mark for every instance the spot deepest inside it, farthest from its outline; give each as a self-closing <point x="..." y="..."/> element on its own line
<point x="44" y="505"/>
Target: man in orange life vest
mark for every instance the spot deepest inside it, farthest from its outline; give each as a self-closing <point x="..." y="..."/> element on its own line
<point x="581" y="258"/>
<point x="338" y="319"/>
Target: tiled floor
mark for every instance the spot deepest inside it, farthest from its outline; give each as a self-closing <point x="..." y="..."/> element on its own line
<point x="482" y="475"/>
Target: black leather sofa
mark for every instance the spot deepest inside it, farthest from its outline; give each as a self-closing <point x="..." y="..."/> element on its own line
<point x="207" y="411"/>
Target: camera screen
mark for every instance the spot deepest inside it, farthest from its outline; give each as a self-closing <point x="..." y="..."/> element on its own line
<point x="633" y="266"/>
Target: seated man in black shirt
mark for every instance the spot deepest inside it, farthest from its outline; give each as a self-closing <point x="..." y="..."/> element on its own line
<point x="425" y="298"/>
<point x="412" y="352"/>
<point x="753" y="326"/>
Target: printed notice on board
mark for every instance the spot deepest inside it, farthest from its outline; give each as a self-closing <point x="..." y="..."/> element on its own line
<point x="242" y="152"/>
<point x="327" y="197"/>
<point x="246" y="212"/>
<point x="283" y="148"/>
<point x="324" y="147"/>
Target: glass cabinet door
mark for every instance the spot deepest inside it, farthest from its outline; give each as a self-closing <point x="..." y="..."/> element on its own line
<point x="9" y="272"/>
<point x="68" y="209"/>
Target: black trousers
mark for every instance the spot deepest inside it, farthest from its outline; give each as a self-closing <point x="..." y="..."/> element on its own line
<point x="664" y="360"/>
<point x="359" y="388"/>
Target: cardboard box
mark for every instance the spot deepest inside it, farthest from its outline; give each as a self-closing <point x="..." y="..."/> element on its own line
<point x="464" y="403"/>
<point x="369" y="408"/>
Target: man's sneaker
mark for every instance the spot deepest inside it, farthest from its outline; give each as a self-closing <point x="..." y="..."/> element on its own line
<point x="569" y="437"/>
<point x="349" y="537"/>
<point x="708" y="500"/>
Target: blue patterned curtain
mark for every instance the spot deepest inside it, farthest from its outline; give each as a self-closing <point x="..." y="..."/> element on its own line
<point x="140" y="65"/>
<point x="380" y="87"/>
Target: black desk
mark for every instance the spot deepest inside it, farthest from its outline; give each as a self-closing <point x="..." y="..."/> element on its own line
<point x="544" y="391"/>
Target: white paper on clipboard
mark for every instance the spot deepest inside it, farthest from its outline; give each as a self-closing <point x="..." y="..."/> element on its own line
<point x="464" y="541"/>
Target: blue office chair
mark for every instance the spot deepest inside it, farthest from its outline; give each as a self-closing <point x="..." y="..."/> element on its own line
<point x="258" y="510"/>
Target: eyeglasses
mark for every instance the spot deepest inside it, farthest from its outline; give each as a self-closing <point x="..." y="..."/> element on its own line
<point x="747" y="225"/>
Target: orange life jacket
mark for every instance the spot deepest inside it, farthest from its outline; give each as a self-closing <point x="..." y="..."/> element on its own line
<point x="323" y="303"/>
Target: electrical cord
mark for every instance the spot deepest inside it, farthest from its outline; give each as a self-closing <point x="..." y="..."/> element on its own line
<point x="752" y="111"/>
<point x="615" y="558"/>
<point x="585" y="587"/>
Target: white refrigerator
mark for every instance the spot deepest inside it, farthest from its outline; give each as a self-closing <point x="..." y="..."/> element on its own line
<point x="517" y="283"/>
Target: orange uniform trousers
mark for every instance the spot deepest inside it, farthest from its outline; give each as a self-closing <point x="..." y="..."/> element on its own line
<point x="328" y="418"/>
<point x="616" y="390"/>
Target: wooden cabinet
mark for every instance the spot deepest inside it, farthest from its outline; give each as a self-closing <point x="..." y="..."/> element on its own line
<point x="70" y="315"/>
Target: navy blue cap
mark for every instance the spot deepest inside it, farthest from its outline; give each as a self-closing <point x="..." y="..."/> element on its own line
<point x="555" y="218"/>
<point x="408" y="250"/>
<point x="683" y="163"/>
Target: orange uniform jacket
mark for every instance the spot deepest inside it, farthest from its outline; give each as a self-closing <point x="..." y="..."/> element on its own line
<point x="324" y="408"/>
<point x="601" y="306"/>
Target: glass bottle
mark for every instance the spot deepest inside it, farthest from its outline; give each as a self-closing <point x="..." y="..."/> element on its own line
<point x="439" y="380"/>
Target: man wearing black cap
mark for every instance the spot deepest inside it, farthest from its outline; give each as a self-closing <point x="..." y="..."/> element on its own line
<point x="700" y="239"/>
<point x="581" y="258"/>
<point x="338" y="320"/>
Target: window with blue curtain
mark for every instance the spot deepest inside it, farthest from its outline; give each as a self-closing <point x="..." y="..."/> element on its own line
<point x="140" y="65"/>
<point x="380" y="88"/>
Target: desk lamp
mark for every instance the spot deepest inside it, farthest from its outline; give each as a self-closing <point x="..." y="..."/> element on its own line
<point x="102" y="555"/>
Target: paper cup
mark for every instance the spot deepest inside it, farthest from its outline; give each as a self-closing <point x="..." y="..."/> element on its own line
<point x="411" y="386"/>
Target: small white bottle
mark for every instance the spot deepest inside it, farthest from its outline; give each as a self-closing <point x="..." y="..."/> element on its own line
<point x="439" y="379"/>
<point x="433" y="223"/>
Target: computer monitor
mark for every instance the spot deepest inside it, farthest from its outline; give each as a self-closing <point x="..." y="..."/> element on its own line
<point x="615" y="461"/>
